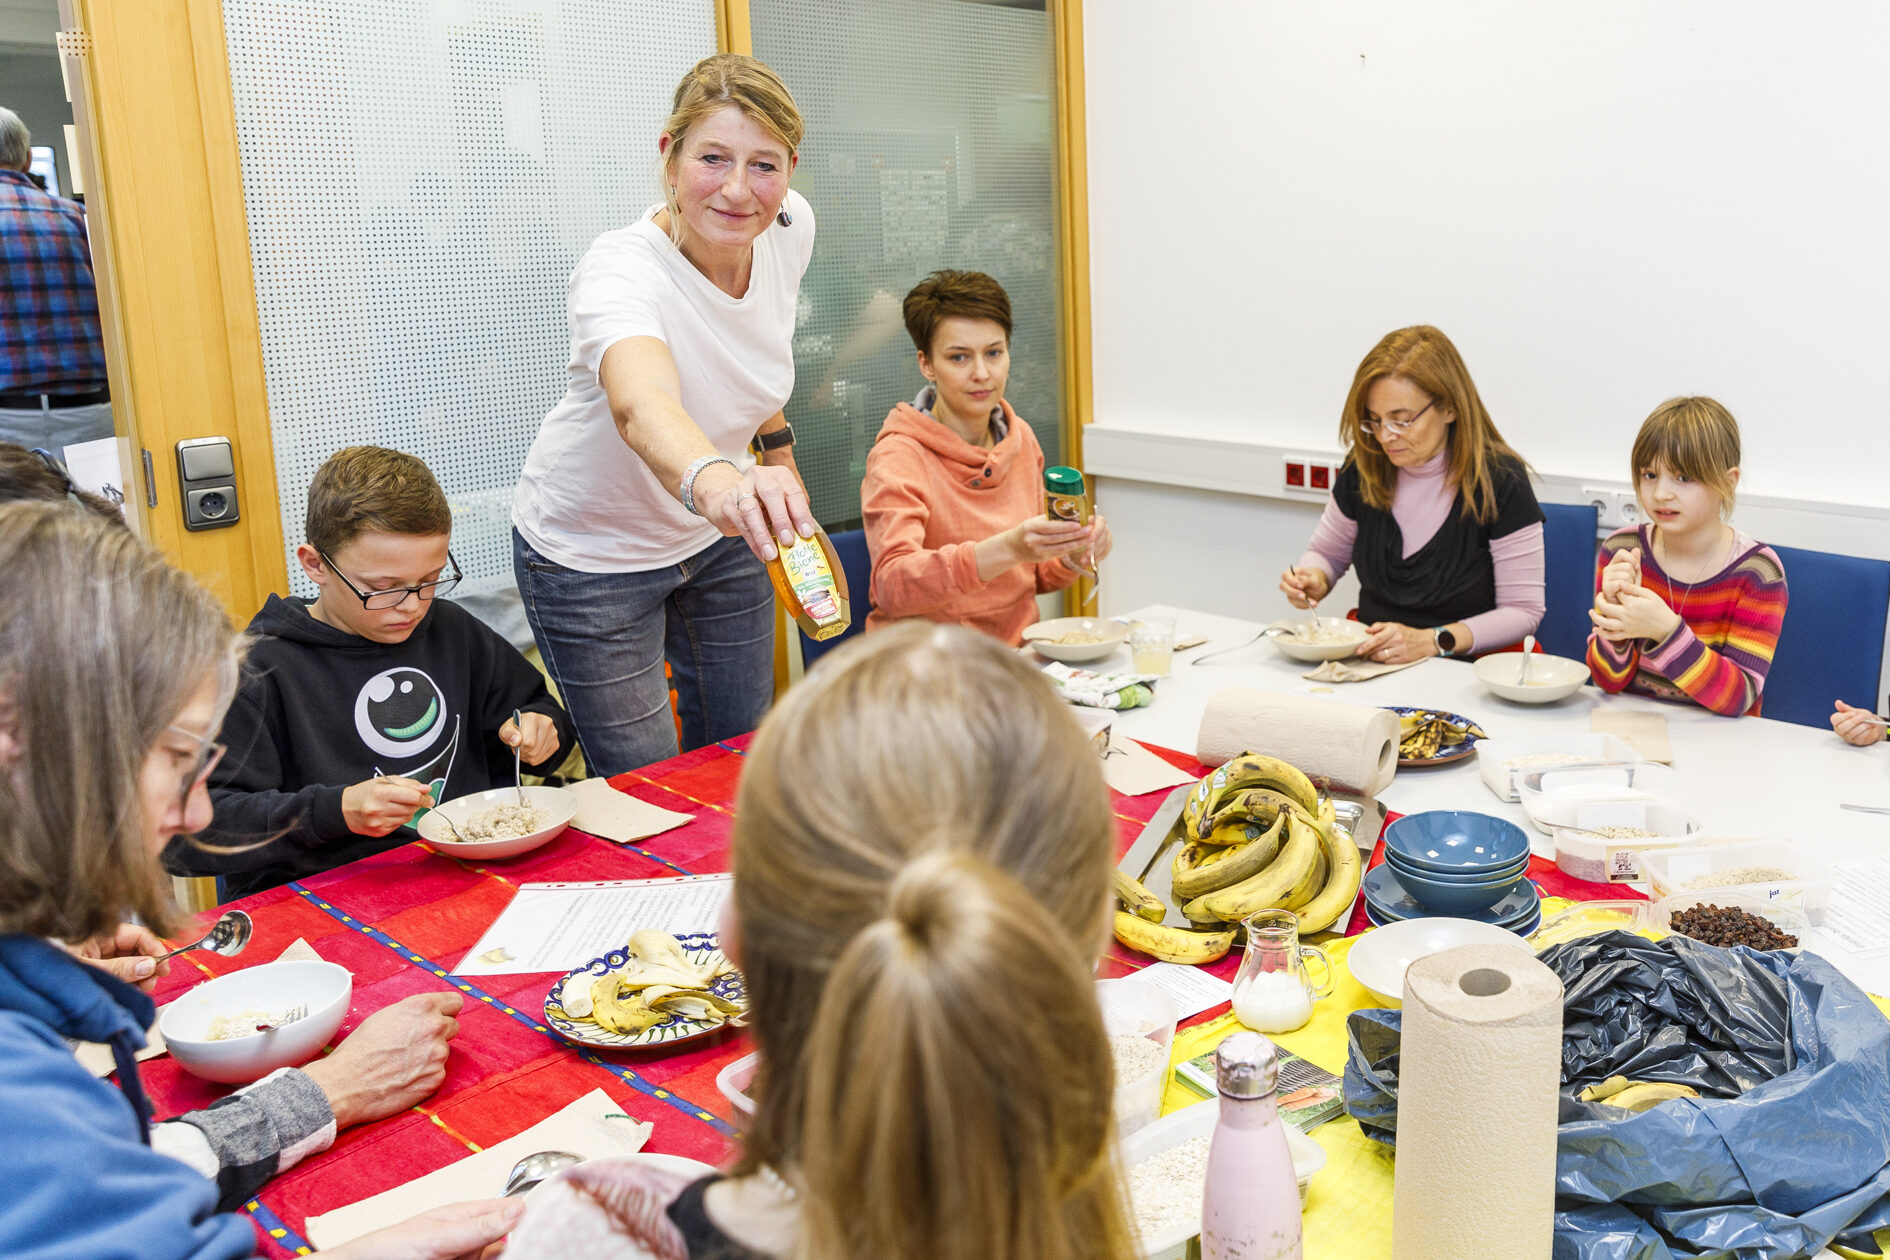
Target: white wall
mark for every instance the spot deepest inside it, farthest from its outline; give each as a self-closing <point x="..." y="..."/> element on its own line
<point x="1603" y="204"/>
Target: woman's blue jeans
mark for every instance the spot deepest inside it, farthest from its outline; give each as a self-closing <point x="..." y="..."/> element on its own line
<point x="605" y="636"/>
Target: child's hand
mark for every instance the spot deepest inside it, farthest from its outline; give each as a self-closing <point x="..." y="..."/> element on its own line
<point x="540" y="738"/>
<point x="378" y="806"/>
<point x="1636" y="613"/>
<point x="1856" y="726"/>
<point x="1622" y="572"/>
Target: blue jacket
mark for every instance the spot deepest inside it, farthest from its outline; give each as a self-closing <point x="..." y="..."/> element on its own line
<point x="80" y="1180"/>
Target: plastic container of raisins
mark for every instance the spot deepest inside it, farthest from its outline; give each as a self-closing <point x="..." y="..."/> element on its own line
<point x="1787" y="918"/>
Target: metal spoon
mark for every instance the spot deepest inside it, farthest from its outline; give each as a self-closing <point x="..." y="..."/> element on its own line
<point x="531" y="1170"/>
<point x="227" y="936"/>
<point x="518" y="752"/>
<point x="382" y="774"/>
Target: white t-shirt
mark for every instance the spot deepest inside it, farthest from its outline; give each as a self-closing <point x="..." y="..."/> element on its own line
<point x="585" y="499"/>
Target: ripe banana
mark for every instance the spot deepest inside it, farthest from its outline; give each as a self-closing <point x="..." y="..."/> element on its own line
<point x="1136" y="898"/>
<point x="1256" y="805"/>
<point x="1176" y="945"/>
<point x="1249" y="770"/>
<point x="1243" y="861"/>
<point x="1344" y="870"/>
<point x="1268" y="888"/>
<point x="1308" y="888"/>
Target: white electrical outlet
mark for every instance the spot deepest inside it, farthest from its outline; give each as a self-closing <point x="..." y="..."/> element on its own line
<point x="1615" y="509"/>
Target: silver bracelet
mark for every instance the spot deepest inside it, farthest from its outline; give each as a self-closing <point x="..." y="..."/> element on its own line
<point x="689" y="479"/>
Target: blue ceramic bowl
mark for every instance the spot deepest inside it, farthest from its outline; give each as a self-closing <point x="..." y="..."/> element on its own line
<point x="1454" y="840"/>
<point x="1448" y="897"/>
<point x="1461" y="875"/>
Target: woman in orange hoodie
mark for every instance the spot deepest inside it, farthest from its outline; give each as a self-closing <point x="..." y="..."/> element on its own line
<point x="953" y="496"/>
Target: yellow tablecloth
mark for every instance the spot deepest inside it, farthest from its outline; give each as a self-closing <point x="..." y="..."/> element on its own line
<point x="1348" y="1207"/>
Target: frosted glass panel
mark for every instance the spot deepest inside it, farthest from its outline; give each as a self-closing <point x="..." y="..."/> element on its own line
<point x="420" y="178"/>
<point x="930" y="143"/>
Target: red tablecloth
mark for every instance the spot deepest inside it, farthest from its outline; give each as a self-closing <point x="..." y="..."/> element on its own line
<point x="402" y="920"/>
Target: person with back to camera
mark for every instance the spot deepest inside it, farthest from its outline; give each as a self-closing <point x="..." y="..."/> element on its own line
<point x="641" y="522"/>
<point x="916" y="868"/>
<point x="1432" y="506"/>
<point x="113" y="678"/>
<point x="953" y="497"/>
<point x="1686" y="606"/>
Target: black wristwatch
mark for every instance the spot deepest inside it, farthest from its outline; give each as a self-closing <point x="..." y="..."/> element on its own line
<point x="1446" y="641"/>
<point x="783" y="436"/>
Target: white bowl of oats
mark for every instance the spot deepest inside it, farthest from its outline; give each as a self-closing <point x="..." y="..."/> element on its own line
<point x="212" y="1030"/>
<point x="494" y="825"/>
<point x="1311" y="638"/>
<point x="1076" y="640"/>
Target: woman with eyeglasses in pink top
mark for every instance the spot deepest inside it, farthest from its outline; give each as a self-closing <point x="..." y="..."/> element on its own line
<point x="1433" y="508"/>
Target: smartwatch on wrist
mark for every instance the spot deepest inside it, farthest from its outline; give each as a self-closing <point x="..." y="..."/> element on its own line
<point x="775" y="440"/>
<point x="1446" y="641"/>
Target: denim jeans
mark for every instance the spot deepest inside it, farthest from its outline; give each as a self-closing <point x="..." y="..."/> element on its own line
<point x="605" y="636"/>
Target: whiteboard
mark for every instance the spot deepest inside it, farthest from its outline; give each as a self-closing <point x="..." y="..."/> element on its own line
<point x="1604" y="205"/>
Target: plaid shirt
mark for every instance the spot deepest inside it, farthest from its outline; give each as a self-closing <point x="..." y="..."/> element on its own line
<point x="49" y="332"/>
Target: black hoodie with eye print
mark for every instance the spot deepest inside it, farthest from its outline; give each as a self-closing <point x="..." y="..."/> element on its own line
<point x="320" y="709"/>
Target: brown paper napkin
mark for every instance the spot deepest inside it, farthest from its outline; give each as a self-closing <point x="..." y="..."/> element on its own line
<point x="1133" y="770"/>
<point x="581" y="1128"/>
<point x="1353" y="671"/>
<point x="1645" y="733"/>
<point x="613" y="815"/>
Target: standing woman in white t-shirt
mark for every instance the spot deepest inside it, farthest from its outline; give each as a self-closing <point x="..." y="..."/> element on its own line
<point x="641" y="521"/>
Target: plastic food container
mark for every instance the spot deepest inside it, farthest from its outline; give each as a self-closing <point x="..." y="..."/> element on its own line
<point x="1672" y="872"/>
<point x="1136" y="1008"/>
<point x="1592" y="918"/>
<point x="1183" y="1126"/>
<point x="1552" y="797"/>
<point x="1787" y="918"/>
<point x="736" y="1079"/>
<point x="1504" y="779"/>
<point x="1583" y="855"/>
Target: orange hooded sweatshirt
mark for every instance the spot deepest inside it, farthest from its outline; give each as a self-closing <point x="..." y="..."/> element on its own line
<point x="928" y="499"/>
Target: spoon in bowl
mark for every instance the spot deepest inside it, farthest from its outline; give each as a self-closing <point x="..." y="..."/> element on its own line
<point x="227" y="936"/>
<point x="1528" y="648"/>
<point x="518" y="752"/>
<point x="528" y="1172"/>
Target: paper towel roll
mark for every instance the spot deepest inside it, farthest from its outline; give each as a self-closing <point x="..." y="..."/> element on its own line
<point x="1478" y="1076"/>
<point x="1353" y="745"/>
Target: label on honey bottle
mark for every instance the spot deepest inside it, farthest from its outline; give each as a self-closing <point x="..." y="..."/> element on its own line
<point x="811" y="580"/>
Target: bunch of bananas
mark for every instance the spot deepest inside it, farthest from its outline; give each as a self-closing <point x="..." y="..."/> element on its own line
<point x="1259" y="836"/>
<point x="1422" y="735"/>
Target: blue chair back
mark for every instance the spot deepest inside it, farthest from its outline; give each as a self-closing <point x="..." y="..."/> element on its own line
<point x="1831" y="645"/>
<point x="857" y="563"/>
<point x="1568" y="573"/>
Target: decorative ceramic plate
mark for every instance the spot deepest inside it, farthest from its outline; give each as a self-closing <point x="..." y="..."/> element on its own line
<point x="699" y="947"/>
<point x="1525" y="927"/>
<point x="1450" y="752"/>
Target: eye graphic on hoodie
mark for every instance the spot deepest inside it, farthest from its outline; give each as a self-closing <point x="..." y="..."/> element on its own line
<point x="399" y="713"/>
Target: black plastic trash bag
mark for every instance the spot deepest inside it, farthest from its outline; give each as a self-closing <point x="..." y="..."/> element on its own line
<point x="1787" y="1150"/>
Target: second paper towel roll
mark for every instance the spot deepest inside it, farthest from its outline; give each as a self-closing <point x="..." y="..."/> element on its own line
<point x="1478" y="1079"/>
<point x="1353" y="745"/>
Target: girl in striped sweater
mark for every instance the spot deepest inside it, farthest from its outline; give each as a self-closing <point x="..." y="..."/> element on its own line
<point x="1686" y="606"/>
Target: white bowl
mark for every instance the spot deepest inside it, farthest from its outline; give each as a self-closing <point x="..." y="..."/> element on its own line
<point x="560" y="803"/>
<point x="1355" y="634"/>
<point x="1112" y="634"/>
<point x="1379" y="958"/>
<point x="1192" y="1122"/>
<point x="1551" y="678"/>
<point x="323" y="987"/>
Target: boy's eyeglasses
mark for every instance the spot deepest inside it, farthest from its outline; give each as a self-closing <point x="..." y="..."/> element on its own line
<point x="1395" y="428"/>
<point x="209" y="753"/>
<point x="394" y="597"/>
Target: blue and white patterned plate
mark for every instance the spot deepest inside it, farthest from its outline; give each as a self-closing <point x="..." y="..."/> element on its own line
<point x="699" y="947"/>
<point x="1450" y="752"/>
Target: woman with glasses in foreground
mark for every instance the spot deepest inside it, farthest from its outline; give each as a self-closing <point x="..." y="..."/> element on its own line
<point x="1432" y="506"/>
<point x="113" y="678"/>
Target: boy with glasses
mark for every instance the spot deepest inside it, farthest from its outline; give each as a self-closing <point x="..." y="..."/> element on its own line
<point x="371" y="702"/>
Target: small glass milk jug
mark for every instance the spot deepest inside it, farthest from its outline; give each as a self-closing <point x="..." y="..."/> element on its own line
<point x="1273" y="992"/>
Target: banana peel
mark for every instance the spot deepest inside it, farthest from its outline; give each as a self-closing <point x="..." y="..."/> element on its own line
<point x="1619" y="1091"/>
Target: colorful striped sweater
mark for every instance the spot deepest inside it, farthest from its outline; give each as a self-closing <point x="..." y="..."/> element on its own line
<point x="1721" y="651"/>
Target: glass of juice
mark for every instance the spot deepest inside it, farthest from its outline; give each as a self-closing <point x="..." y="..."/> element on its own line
<point x="1152" y="642"/>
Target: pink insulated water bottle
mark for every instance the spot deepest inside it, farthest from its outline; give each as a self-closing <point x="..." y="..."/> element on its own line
<point x="1250" y="1208"/>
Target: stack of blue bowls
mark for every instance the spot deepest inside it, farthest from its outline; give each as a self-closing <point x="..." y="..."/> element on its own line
<point x="1454" y="864"/>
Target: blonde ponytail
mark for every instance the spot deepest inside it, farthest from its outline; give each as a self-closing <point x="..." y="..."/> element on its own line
<point x="957" y="1082"/>
<point x="921" y="853"/>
